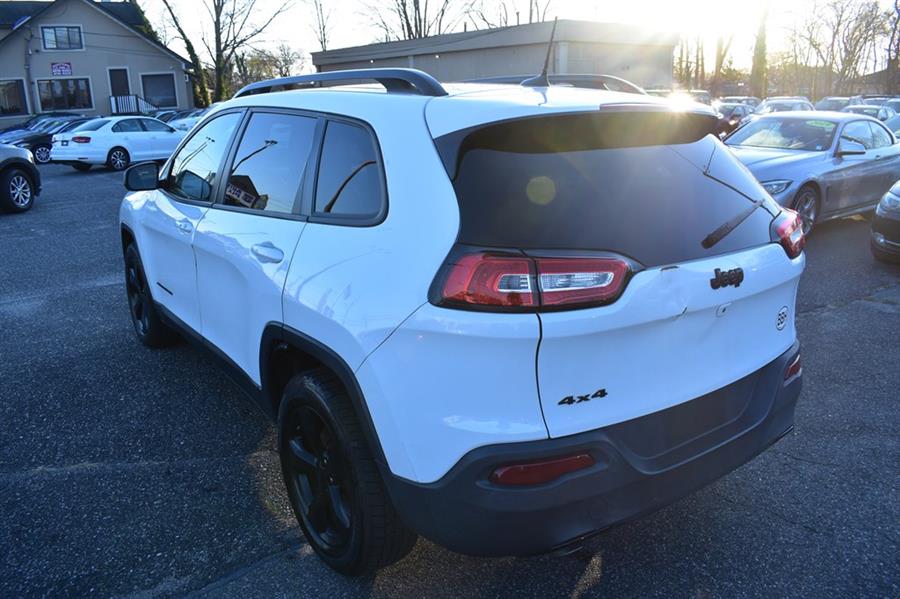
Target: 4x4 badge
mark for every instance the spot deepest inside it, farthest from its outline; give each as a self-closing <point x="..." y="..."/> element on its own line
<point x="573" y="399"/>
<point x="724" y="278"/>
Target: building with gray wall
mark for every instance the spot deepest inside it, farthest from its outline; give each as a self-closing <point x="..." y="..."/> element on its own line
<point x="639" y="55"/>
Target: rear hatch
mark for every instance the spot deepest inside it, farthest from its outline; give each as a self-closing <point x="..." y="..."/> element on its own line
<point x="600" y="223"/>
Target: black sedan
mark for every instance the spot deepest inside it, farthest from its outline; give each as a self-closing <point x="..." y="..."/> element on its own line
<point x="30" y="123"/>
<point x="886" y="227"/>
<point x="39" y="142"/>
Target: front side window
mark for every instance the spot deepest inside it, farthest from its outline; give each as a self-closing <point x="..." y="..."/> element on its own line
<point x="195" y="168"/>
<point x="880" y="136"/>
<point x="349" y="182"/>
<point x="12" y="98"/>
<point x="270" y="162"/>
<point x="64" y="94"/>
<point x="859" y="132"/>
<point x="62" y="38"/>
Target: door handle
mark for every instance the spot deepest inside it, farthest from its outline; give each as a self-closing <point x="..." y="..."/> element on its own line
<point x="267" y="252"/>
<point x="184" y="226"/>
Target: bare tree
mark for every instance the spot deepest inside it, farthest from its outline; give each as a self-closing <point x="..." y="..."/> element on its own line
<point x="893" y="51"/>
<point x="322" y="24"/>
<point x="758" y="81"/>
<point x="286" y="61"/>
<point x="234" y="26"/>
<point x="201" y="89"/>
<point x="723" y="45"/>
<point x="415" y="19"/>
<point x="502" y="13"/>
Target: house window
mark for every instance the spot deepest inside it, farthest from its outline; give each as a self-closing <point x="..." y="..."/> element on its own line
<point x="62" y="38"/>
<point x="64" y="94"/>
<point x="12" y="97"/>
<point x="159" y="90"/>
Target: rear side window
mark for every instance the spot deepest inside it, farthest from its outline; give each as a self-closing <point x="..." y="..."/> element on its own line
<point x="859" y="132"/>
<point x="628" y="182"/>
<point x="349" y="181"/>
<point x="195" y="169"/>
<point x="94" y="125"/>
<point x="880" y="136"/>
<point x="154" y="125"/>
<point x="270" y="162"/>
<point x="127" y="126"/>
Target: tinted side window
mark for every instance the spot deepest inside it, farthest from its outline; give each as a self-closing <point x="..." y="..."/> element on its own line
<point x="270" y="162"/>
<point x="349" y="180"/>
<point x="859" y="132"/>
<point x="880" y="136"/>
<point x="154" y="125"/>
<point x="127" y="126"/>
<point x="196" y="166"/>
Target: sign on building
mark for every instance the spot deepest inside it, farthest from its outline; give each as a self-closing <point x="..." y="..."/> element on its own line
<point x="60" y="69"/>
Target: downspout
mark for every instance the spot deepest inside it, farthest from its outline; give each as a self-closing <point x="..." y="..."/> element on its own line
<point x="30" y="100"/>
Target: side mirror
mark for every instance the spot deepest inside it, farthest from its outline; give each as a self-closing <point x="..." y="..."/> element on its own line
<point x="142" y="177"/>
<point x="847" y="147"/>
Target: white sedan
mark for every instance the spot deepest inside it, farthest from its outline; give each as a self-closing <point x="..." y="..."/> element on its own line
<point x="115" y="141"/>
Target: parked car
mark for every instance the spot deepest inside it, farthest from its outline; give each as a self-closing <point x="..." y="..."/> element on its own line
<point x="20" y="181"/>
<point x="730" y="115"/>
<point x="40" y="142"/>
<point x="893" y="124"/>
<point x="185" y="123"/>
<point x="659" y="93"/>
<point x="474" y="367"/>
<point x="37" y="119"/>
<point x="114" y="141"/>
<point x="870" y="99"/>
<point x="12" y="137"/>
<point x="797" y="156"/>
<point x="783" y="105"/>
<point x="750" y="100"/>
<point x="593" y="81"/>
<point x="832" y="103"/>
<point x="893" y="103"/>
<point x="176" y="114"/>
<point x="886" y="227"/>
<point x="882" y="113"/>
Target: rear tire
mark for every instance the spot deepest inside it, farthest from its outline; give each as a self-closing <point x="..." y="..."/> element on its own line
<point x="148" y="326"/>
<point x="16" y="191"/>
<point x="883" y="256"/>
<point x="118" y="159"/>
<point x="333" y="484"/>
<point x="81" y="167"/>
<point x="807" y="205"/>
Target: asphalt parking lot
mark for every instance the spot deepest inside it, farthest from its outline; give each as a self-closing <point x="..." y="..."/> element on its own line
<point x="125" y="471"/>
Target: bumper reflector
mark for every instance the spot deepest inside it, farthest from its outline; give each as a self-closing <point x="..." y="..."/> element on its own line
<point x="793" y="369"/>
<point x="536" y="473"/>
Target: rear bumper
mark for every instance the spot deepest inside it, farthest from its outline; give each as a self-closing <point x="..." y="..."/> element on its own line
<point x="640" y="466"/>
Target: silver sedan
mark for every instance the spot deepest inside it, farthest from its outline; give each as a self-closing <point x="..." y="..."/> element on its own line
<point x="822" y="164"/>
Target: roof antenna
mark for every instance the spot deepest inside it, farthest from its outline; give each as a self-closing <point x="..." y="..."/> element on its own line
<point x="542" y="80"/>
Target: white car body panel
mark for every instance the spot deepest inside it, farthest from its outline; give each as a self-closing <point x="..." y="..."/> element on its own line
<point x="448" y="381"/>
<point x="140" y="145"/>
<point x="242" y="263"/>
<point x="670" y="338"/>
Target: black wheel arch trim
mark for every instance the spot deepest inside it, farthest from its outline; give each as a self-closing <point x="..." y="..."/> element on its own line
<point x="278" y="336"/>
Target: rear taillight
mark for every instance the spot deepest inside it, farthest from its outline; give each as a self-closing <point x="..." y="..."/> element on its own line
<point x="514" y="281"/>
<point x="794" y="369"/>
<point x="81" y="139"/>
<point x="536" y="473"/>
<point x="788" y="231"/>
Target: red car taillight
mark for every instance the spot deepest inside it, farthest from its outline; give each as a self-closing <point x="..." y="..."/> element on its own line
<point x="788" y="230"/>
<point x="793" y="369"/>
<point x="536" y="473"/>
<point x="80" y="139"/>
<point x="495" y="280"/>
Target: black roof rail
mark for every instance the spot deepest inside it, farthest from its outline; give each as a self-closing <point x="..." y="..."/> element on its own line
<point x="395" y="80"/>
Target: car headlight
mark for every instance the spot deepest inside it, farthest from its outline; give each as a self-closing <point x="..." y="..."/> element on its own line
<point x="889" y="203"/>
<point x="776" y="187"/>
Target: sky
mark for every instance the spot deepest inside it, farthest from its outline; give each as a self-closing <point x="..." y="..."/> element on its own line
<point x="352" y="27"/>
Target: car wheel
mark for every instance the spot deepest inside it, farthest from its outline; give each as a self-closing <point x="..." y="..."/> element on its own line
<point x="82" y="167"/>
<point x="118" y="159"/>
<point x="150" y="329"/>
<point x="42" y="154"/>
<point x="16" y="191"/>
<point x="332" y="481"/>
<point x="807" y="206"/>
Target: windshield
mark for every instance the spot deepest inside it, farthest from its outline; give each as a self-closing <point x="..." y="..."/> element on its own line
<point x="861" y="110"/>
<point x="833" y="104"/>
<point x="775" y="107"/>
<point x="785" y="133"/>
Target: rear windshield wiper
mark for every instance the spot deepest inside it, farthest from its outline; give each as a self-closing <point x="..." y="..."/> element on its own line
<point x="730" y="225"/>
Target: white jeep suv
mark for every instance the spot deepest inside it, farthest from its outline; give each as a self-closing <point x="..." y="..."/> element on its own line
<point x="502" y="317"/>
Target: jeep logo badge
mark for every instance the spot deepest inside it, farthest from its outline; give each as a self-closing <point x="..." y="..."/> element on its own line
<point x="728" y="277"/>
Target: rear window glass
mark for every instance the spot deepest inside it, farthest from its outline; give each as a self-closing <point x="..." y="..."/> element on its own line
<point x="631" y="183"/>
<point x="91" y="125"/>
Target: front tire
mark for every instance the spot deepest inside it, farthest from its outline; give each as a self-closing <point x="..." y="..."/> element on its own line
<point x="42" y="154"/>
<point x="807" y="205"/>
<point x="148" y="326"/>
<point x="883" y="256"/>
<point x="118" y="159"/>
<point x="333" y="484"/>
<point x="16" y="191"/>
